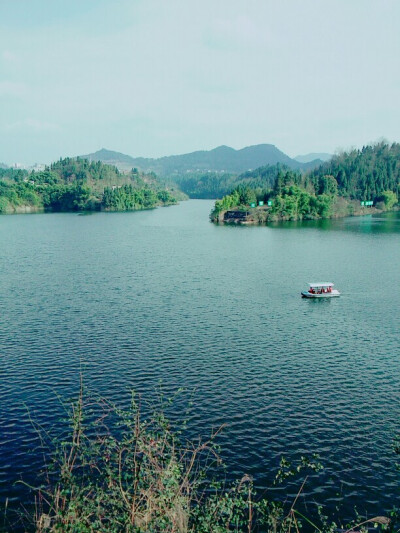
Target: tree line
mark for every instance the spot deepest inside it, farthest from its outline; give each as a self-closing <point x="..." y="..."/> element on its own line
<point x="75" y="184"/>
<point x="363" y="174"/>
<point x="335" y="188"/>
<point x="210" y="185"/>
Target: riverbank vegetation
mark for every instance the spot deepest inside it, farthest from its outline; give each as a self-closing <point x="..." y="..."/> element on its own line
<point x="132" y="469"/>
<point x="339" y="187"/>
<point x="75" y="184"/>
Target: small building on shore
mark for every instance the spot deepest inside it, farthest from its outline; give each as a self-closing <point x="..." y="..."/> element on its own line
<point x="236" y="216"/>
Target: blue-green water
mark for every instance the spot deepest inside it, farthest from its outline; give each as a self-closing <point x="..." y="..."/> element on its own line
<point x="133" y="298"/>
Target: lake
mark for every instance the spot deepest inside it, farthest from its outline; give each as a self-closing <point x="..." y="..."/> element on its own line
<point x="135" y="298"/>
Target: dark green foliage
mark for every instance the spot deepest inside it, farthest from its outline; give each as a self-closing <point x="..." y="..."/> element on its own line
<point x="77" y="169"/>
<point x="166" y="197"/>
<point x="289" y="199"/>
<point x="285" y="177"/>
<point x="77" y="184"/>
<point x="45" y="177"/>
<point x="246" y="195"/>
<point x="389" y="199"/>
<point x="13" y="174"/>
<point x="227" y="202"/>
<point x="66" y="197"/>
<point x="4" y="204"/>
<point x="363" y="174"/>
<point x="241" y="196"/>
<point x="18" y="194"/>
<point x="126" y="197"/>
<point x="217" y="185"/>
<point x="289" y="202"/>
<point x="294" y="203"/>
<point x="327" y="185"/>
<point x="206" y="185"/>
<point x="372" y="173"/>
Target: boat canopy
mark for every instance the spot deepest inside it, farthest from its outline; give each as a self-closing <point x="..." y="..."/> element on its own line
<point x="321" y="284"/>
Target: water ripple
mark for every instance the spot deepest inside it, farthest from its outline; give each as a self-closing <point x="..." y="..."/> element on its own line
<point x="131" y="299"/>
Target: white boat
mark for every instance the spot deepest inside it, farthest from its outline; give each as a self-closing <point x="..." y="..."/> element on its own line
<point x="322" y="289"/>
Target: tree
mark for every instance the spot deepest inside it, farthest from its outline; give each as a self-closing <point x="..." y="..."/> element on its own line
<point x="328" y="185"/>
<point x="246" y="195"/>
<point x="389" y="199"/>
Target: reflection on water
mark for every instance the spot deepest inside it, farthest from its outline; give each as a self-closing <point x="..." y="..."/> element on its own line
<point x="382" y="223"/>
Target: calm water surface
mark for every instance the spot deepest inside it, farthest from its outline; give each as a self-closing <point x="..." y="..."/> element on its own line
<point x="138" y="297"/>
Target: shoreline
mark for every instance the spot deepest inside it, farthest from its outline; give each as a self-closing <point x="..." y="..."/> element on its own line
<point x="260" y="217"/>
<point x="34" y="210"/>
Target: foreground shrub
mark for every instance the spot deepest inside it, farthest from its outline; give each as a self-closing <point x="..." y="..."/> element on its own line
<point x="121" y="471"/>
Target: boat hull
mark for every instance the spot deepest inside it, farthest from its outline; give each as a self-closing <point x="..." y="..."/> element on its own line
<point x="333" y="294"/>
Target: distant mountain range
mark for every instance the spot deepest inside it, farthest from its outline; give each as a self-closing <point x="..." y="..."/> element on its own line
<point x="221" y="159"/>
<point x="3" y="165"/>
<point x="308" y="158"/>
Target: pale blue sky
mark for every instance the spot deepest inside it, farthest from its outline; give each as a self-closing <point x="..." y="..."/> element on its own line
<point x="160" y="77"/>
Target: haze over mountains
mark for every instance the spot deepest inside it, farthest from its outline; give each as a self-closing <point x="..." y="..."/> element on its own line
<point x="308" y="158"/>
<point x="220" y="159"/>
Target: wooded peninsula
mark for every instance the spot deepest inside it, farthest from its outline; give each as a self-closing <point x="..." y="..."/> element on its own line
<point x="75" y="184"/>
<point x="351" y="183"/>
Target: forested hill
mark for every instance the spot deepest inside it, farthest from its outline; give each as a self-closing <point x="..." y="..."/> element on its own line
<point x="220" y="160"/>
<point x="122" y="161"/>
<point x="337" y="188"/>
<point x="315" y="156"/>
<point x="214" y="185"/>
<point x="224" y="159"/>
<point x="75" y="184"/>
<point x="363" y="174"/>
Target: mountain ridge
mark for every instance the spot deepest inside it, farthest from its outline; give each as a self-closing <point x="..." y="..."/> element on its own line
<point x="313" y="156"/>
<point x="220" y="159"/>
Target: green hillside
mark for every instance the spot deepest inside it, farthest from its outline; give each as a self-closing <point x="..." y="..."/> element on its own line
<point x="213" y="185"/>
<point x="338" y="187"/>
<point x="75" y="184"/>
<point x="363" y="174"/>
